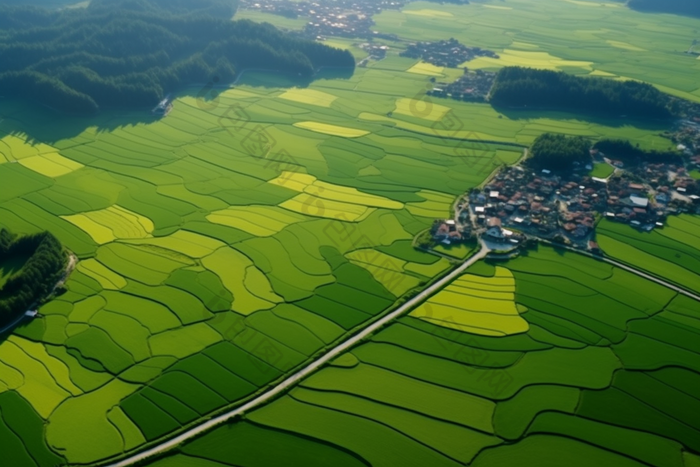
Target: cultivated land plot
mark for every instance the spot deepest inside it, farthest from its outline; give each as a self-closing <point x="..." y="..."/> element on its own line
<point x="255" y="232"/>
<point x="552" y="391"/>
<point x="672" y="253"/>
<point x="187" y="246"/>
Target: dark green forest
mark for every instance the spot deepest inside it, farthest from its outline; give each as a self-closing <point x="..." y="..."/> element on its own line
<point x="526" y="87"/>
<point x="624" y="150"/>
<point x="35" y="280"/>
<point x="679" y="7"/>
<point x="559" y="152"/>
<point x="131" y="53"/>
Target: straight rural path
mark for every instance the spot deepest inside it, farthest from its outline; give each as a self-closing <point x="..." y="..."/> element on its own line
<point x="306" y="371"/>
<point x="620" y="265"/>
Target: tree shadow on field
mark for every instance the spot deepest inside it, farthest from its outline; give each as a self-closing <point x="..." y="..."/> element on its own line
<point x="265" y="79"/>
<point x="559" y="249"/>
<point x="35" y="123"/>
<point x="599" y="119"/>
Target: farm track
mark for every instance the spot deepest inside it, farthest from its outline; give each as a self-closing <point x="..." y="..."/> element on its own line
<point x="306" y="371"/>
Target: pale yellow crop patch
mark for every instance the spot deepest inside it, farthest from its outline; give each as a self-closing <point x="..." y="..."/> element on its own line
<point x="114" y="222"/>
<point x="423" y="68"/>
<point x="188" y="243"/>
<point x="419" y="108"/>
<point x="320" y="207"/>
<point x="16" y="148"/>
<point x="38" y="386"/>
<point x="107" y="278"/>
<point x="479" y="305"/>
<point x="333" y="130"/>
<point x="261" y="221"/>
<point x="529" y="59"/>
<point x="51" y="165"/>
<point x="310" y="185"/>
<point x="309" y="96"/>
<point x="436" y="205"/>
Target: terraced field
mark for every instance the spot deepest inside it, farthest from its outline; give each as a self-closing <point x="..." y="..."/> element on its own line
<point x="672" y="253"/>
<point x="605" y="371"/>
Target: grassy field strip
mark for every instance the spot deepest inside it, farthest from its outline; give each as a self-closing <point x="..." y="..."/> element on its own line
<point x="311" y="368"/>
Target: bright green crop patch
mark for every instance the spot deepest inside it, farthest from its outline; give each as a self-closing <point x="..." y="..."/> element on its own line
<point x="672" y="253"/>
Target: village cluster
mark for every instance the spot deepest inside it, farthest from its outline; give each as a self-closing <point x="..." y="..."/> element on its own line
<point x="344" y="18"/>
<point x="472" y="86"/>
<point x="450" y="53"/>
<point x="687" y="135"/>
<point x="518" y="202"/>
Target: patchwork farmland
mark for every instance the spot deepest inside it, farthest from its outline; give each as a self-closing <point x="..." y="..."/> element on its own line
<point x="588" y="378"/>
<point x="255" y="227"/>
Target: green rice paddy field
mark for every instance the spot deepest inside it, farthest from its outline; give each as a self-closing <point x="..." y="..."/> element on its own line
<point x="236" y="239"/>
<point x="671" y="253"/>
<point x="604" y="370"/>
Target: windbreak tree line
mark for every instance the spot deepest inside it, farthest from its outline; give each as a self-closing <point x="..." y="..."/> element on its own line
<point x="37" y="277"/>
<point x="131" y="53"/>
<point x="526" y="87"/>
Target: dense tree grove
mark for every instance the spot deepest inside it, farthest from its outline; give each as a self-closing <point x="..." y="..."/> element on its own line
<point x="679" y="7"/>
<point x="559" y="152"/>
<point x="624" y="150"/>
<point x="131" y="53"/>
<point x="520" y="87"/>
<point x="37" y="277"/>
